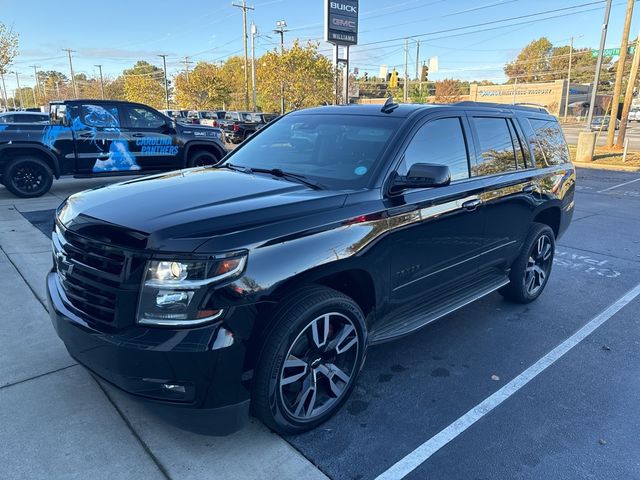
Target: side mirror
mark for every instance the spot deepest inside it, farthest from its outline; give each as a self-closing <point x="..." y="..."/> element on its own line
<point x="423" y="175"/>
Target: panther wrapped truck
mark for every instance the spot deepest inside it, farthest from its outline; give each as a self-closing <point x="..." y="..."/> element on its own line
<point x="87" y="138"/>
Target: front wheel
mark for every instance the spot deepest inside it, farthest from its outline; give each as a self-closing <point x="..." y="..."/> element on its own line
<point x="202" y="159"/>
<point x="27" y="177"/>
<point x="530" y="272"/>
<point x="310" y="360"/>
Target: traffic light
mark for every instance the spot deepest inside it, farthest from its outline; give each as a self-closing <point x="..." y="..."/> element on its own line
<point x="425" y="73"/>
<point x="393" y="80"/>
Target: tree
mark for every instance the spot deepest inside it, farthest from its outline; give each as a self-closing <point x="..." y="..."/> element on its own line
<point x="531" y="63"/>
<point x="307" y="76"/>
<point x="144" y="83"/>
<point x="8" y="47"/>
<point x="205" y="90"/>
<point x="448" y="91"/>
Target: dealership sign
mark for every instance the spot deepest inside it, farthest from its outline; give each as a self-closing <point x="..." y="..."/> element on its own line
<point x="341" y="22"/>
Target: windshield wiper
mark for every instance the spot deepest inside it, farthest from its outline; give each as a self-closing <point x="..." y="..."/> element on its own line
<point x="235" y="168"/>
<point x="276" y="172"/>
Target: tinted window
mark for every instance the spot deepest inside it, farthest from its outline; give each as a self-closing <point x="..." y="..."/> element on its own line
<point x="520" y="150"/>
<point x="143" y="118"/>
<point x="549" y="146"/>
<point x="104" y="116"/>
<point x="440" y="142"/>
<point x="496" y="148"/>
<point x="32" y="118"/>
<point x="337" y="151"/>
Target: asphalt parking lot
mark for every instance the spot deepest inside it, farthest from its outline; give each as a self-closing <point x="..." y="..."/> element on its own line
<point x="495" y="390"/>
<point x="571" y="132"/>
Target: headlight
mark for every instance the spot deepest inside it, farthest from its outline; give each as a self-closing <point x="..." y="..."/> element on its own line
<point x="173" y="292"/>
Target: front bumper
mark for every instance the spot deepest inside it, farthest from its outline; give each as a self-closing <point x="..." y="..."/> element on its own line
<point x="193" y="378"/>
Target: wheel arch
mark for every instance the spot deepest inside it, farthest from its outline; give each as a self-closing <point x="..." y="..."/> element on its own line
<point x="9" y="152"/>
<point x="550" y="216"/>
<point x="194" y="147"/>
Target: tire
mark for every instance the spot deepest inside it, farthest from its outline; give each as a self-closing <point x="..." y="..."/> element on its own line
<point x="530" y="271"/>
<point x="203" y="158"/>
<point x="27" y="177"/>
<point x="300" y="394"/>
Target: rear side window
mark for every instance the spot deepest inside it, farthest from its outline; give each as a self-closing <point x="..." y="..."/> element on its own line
<point x="549" y="146"/>
<point x="497" y="153"/>
<point x="6" y="119"/>
<point x="439" y="142"/>
<point x="102" y="116"/>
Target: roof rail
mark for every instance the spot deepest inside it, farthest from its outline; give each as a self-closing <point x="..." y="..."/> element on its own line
<point x="389" y="106"/>
<point x="517" y="106"/>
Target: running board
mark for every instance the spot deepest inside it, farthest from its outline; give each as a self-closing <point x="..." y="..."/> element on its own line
<point x="423" y="315"/>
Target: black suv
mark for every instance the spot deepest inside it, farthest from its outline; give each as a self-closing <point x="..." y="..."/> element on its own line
<point x="265" y="278"/>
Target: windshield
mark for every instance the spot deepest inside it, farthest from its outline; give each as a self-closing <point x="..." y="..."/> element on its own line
<point x="337" y="151"/>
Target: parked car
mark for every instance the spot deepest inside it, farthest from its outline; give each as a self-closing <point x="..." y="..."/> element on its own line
<point x="23" y="117"/>
<point x="203" y="117"/>
<point x="238" y="126"/>
<point x="259" y="283"/>
<point x="177" y="115"/>
<point x="634" y="115"/>
<point x="97" y="138"/>
<point x="602" y="123"/>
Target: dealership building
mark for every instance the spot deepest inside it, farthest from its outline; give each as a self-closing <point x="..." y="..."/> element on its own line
<point x="551" y="95"/>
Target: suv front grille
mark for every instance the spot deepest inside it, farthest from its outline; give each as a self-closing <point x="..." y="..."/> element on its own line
<point x="93" y="276"/>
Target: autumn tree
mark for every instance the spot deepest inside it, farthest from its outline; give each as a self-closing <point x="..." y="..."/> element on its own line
<point x="144" y="83"/>
<point x="307" y="77"/>
<point x="8" y="49"/>
<point x="205" y="89"/>
<point x="448" y="91"/>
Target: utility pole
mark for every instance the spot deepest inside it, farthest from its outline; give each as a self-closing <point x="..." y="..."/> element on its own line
<point x="35" y="74"/>
<point x="566" y="100"/>
<point x="4" y="93"/>
<point x="73" y="76"/>
<point x="244" y="8"/>
<point x="186" y="63"/>
<point x="617" y="89"/>
<point x="254" y="32"/>
<point x="628" y="96"/>
<point x="280" y="29"/>
<point x="101" y="81"/>
<point x="406" y="70"/>
<point x="35" y="100"/>
<point x="166" y="82"/>
<point x="418" y="60"/>
<point x="19" y="90"/>
<point x="596" y="80"/>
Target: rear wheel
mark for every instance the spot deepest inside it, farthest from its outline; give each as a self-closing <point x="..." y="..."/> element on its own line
<point x="203" y="158"/>
<point x="310" y="360"/>
<point x="530" y="272"/>
<point x="27" y="177"/>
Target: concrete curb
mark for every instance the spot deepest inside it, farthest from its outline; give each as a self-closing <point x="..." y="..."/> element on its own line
<point x="604" y="166"/>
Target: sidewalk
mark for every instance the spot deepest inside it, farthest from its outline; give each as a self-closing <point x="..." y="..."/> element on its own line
<point x="58" y="422"/>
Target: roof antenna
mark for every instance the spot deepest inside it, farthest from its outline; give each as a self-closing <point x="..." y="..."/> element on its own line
<point x="389" y="106"/>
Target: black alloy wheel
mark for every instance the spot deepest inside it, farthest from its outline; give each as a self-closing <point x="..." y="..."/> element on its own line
<point x="309" y="361"/>
<point x="530" y="272"/>
<point x="319" y="366"/>
<point x="202" y="159"/>
<point x="28" y="177"/>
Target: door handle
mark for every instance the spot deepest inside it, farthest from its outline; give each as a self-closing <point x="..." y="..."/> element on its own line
<point x="138" y="135"/>
<point x="529" y="189"/>
<point x="86" y="135"/>
<point x="471" y="205"/>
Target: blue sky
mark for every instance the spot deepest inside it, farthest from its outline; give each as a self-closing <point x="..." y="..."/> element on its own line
<point x="116" y="33"/>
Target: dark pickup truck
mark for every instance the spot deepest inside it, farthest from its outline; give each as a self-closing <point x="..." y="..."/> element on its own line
<point x="238" y="126"/>
<point x="97" y="137"/>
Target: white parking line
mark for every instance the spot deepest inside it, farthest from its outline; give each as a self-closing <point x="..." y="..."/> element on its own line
<point x="414" y="459"/>
<point x="618" y="186"/>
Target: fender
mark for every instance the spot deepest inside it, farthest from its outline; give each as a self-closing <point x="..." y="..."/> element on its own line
<point x="199" y="143"/>
<point x="53" y="160"/>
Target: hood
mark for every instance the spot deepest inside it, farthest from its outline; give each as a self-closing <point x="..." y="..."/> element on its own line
<point x="180" y="210"/>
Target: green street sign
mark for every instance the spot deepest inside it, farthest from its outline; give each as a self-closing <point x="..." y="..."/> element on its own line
<point x="611" y="52"/>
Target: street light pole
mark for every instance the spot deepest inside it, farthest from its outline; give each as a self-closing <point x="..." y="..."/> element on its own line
<point x="244" y="8"/>
<point x="406" y="71"/>
<point x="596" y="80"/>
<point x="254" y="32"/>
<point x="280" y="29"/>
<point x="166" y="82"/>
<point x="101" y="81"/>
<point x="566" y="100"/>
